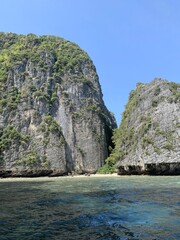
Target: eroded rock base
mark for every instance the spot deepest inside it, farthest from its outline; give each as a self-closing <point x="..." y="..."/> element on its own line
<point x="151" y="169"/>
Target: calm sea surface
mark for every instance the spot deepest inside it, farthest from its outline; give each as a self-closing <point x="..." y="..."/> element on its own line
<point x="90" y="208"/>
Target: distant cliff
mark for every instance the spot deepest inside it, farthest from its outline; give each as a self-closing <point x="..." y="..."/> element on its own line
<point x="52" y="117"/>
<point x="148" y="139"/>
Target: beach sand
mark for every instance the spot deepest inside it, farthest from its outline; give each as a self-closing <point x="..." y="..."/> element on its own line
<point x="45" y="178"/>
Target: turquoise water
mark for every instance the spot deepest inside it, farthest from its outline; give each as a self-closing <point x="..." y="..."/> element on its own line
<point x="90" y="208"/>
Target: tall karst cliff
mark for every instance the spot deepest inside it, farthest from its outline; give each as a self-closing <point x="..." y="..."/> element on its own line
<point x="148" y="139"/>
<point x="52" y="116"/>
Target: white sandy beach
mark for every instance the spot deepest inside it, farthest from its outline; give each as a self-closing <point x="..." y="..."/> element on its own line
<point x="14" y="179"/>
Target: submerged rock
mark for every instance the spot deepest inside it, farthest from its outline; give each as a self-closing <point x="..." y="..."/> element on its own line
<point x="53" y="119"/>
<point x="148" y="139"/>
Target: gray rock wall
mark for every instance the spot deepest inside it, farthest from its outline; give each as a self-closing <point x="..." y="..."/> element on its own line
<point x="53" y="119"/>
<point x="149" y="141"/>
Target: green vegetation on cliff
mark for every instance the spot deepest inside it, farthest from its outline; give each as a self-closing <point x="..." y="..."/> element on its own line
<point x="10" y="135"/>
<point x="17" y="50"/>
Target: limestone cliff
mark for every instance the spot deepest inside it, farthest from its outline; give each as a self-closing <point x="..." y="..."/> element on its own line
<point x="148" y="139"/>
<point x="52" y="117"/>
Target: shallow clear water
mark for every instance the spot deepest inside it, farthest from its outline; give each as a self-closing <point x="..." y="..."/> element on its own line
<point x="90" y="208"/>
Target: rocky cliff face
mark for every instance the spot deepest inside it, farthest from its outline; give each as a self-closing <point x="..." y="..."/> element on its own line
<point x="53" y="120"/>
<point x="148" y="139"/>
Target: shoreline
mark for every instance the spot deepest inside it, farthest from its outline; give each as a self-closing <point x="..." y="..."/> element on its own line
<point x="47" y="178"/>
<point x="59" y="177"/>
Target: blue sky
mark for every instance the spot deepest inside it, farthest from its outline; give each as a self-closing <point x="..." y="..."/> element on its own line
<point x="129" y="41"/>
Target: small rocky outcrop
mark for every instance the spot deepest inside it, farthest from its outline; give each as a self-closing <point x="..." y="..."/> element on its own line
<point x="52" y="116"/>
<point x="148" y="139"/>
